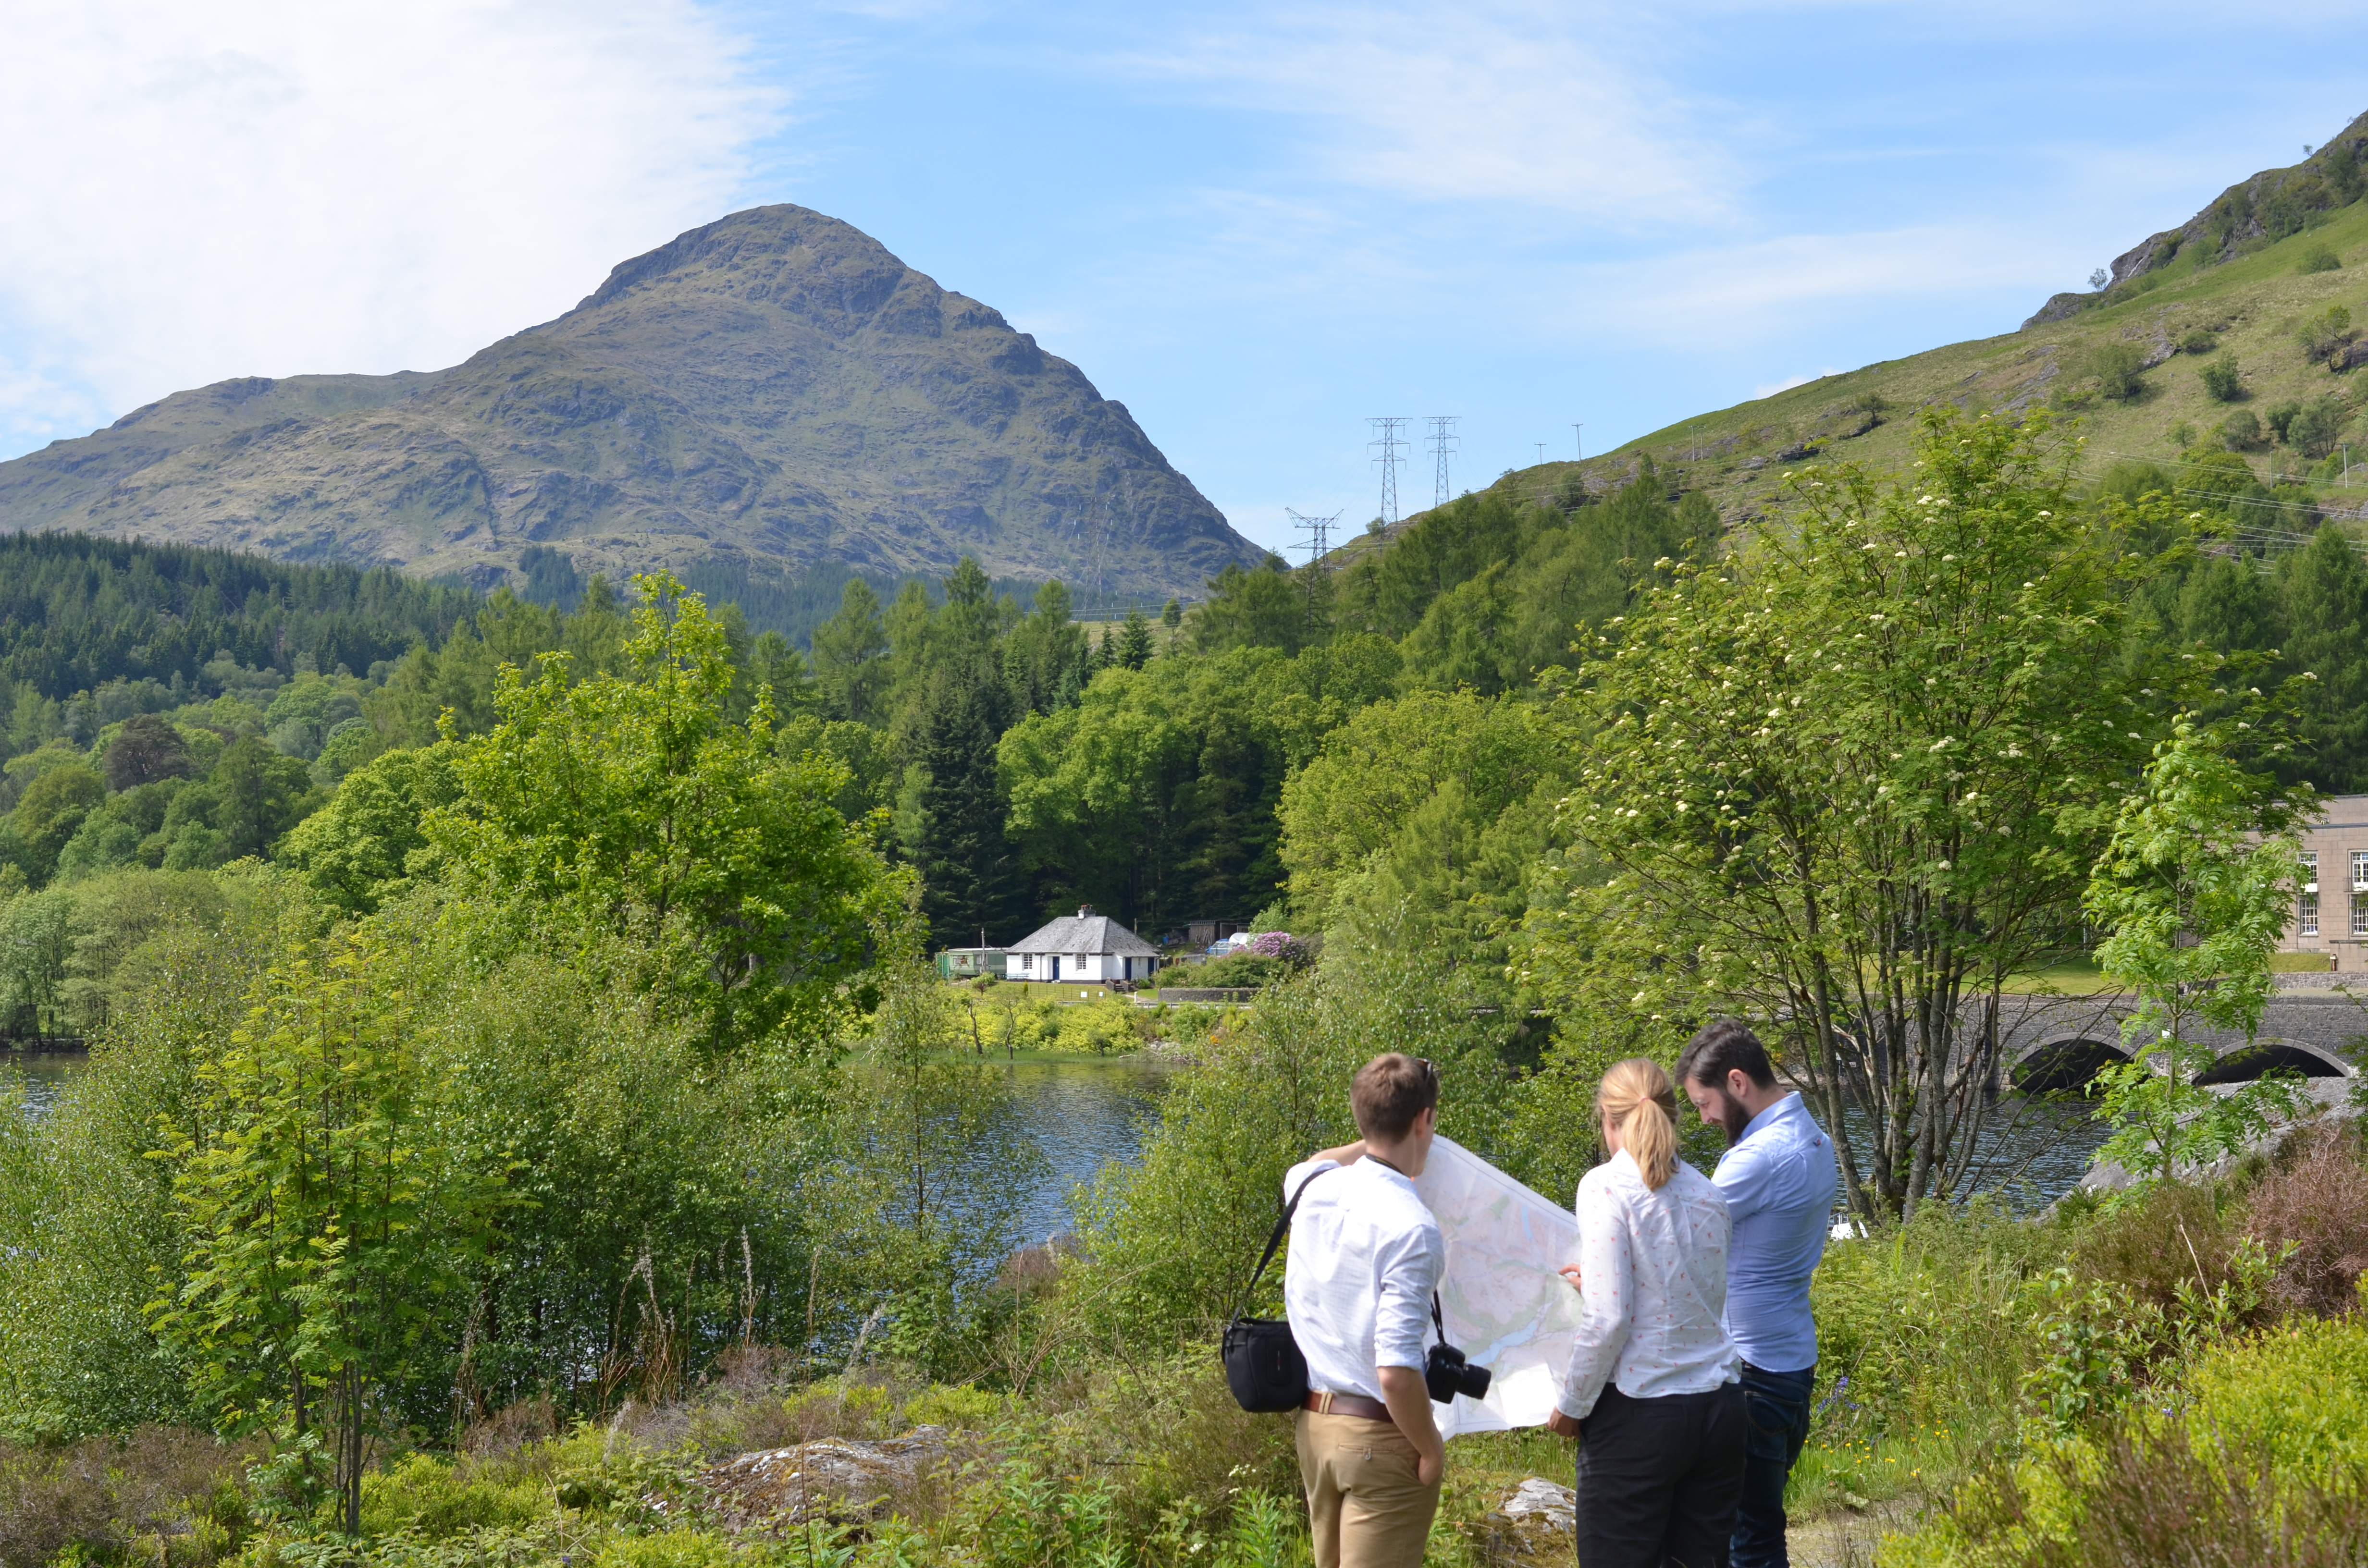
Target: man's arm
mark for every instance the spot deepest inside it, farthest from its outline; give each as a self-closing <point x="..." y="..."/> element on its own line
<point x="1346" y="1154"/>
<point x="1746" y="1178"/>
<point x="1408" y="1398"/>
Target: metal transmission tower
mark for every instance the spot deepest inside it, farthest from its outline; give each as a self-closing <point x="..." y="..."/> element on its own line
<point x="1442" y="441"/>
<point x="1316" y="534"/>
<point x="1386" y="438"/>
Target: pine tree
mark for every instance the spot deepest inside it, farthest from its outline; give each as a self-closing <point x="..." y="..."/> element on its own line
<point x="966" y="864"/>
<point x="850" y="651"/>
<point x="1135" y="643"/>
<point x="2326" y="593"/>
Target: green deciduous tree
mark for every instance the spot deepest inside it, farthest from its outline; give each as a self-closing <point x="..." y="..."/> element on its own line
<point x="356" y="852"/>
<point x="2195" y="886"/>
<point x="1264" y="609"/>
<point x="1406" y="791"/>
<point x="632" y="803"/>
<point x="1849" y="783"/>
<point x="326" y="1223"/>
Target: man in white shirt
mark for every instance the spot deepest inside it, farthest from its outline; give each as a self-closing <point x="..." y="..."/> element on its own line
<point x="1365" y="1256"/>
<point x="1778" y="1178"/>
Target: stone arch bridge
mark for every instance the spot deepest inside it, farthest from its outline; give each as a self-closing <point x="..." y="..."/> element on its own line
<point x="2060" y="1043"/>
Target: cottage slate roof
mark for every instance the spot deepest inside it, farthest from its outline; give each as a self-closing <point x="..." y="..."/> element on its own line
<point x="1085" y="934"/>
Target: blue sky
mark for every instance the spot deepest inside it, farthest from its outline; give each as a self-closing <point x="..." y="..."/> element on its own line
<point x="1256" y="225"/>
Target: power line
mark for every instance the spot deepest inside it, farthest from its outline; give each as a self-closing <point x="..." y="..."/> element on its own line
<point x="1442" y="441"/>
<point x="1386" y="438"/>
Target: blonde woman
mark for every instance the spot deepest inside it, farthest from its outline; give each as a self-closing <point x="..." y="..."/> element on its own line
<point x="1654" y="1392"/>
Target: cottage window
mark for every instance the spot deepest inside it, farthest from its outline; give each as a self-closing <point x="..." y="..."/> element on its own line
<point x="2359" y="892"/>
<point x="2307" y="906"/>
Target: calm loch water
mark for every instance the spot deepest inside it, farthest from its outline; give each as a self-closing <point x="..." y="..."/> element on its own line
<point x="1086" y="1115"/>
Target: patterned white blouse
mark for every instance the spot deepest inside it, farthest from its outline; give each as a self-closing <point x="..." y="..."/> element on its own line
<point x="1653" y="1272"/>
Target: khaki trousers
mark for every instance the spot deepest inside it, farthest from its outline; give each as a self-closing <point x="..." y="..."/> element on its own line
<point x="1365" y="1508"/>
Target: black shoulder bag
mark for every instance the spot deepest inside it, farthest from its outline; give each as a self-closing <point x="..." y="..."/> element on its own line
<point x="1263" y="1364"/>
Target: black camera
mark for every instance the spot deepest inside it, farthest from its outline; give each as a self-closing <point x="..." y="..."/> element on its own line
<point x="1448" y="1374"/>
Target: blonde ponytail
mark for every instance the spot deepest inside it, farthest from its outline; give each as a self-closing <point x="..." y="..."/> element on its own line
<point x="1637" y="1097"/>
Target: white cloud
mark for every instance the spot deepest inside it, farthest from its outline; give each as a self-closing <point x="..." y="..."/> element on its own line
<point x="270" y="187"/>
<point x="1544" y="107"/>
<point x="1710" y="294"/>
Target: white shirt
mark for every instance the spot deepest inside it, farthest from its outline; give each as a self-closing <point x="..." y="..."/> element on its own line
<point x="1365" y="1255"/>
<point x="1653" y="1271"/>
<point x="1778" y="1183"/>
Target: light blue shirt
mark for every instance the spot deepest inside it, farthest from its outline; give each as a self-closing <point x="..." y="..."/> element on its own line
<point x="1779" y="1182"/>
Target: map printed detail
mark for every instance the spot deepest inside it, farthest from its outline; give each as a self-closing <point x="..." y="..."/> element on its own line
<point x="1505" y="1305"/>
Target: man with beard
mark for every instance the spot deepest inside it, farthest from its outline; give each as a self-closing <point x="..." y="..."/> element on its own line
<point x="1778" y="1177"/>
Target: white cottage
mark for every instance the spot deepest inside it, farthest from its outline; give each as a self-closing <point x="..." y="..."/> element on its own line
<point x="1081" y="948"/>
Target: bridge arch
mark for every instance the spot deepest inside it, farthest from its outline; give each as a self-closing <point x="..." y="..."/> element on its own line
<point x="2063" y="1065"/>
<point x="2243" y="1064"/>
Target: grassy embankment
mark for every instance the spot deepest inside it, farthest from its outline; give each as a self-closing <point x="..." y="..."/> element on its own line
<point x="2251" y="308"/>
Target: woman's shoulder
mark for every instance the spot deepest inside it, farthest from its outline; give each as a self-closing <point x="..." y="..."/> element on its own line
<point x="1616" y="1174"/>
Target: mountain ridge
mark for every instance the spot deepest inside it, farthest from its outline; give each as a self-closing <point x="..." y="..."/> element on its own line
<point x="2273" y="308"/>
<point x="774" y="389"/>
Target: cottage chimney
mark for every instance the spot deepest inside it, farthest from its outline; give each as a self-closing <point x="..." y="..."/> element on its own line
<point x="1084" y="910"/>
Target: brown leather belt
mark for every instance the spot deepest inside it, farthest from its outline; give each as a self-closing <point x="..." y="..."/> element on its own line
<point x="1347" y="1405"/>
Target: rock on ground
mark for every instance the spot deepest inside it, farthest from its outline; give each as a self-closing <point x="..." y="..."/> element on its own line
<point x="842" y="1481"/>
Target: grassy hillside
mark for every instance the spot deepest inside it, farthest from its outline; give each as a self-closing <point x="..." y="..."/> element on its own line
<point x="2161" y="331"/>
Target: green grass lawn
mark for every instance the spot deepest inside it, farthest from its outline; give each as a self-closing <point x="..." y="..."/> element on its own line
<point x="2067" y="977"/>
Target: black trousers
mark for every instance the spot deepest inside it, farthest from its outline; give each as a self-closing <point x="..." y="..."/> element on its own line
<point x="1659" y="1478"/>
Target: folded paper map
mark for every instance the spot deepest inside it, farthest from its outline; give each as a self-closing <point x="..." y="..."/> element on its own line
<point x="1505" y="1305"/>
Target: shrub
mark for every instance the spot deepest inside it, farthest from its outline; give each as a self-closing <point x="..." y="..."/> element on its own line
<point x="2117" y="367"/>
<point x="100" y="1495"/>
<point x="2265" y="1465"/>
<point x="1234" y="968"/>
<point x="2326" y="334"/>
<point x="2221" y="379"/>
<point x="2314" y="427"/>
<point x="434" y="1497"/>
<point x="1282" y="945"/>
<point x="2241" y="432"/>
<point x="2170" y="1233"/>
<point x="1913" y="1325"/>
<point x="2320" y="257"/>
<point x="2317" y="1197"/>
<point x="2198" y="340"/>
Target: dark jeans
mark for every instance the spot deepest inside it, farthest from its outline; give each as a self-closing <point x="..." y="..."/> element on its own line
<point x="1659" y="1479"/>
<point x="1778" y="1425"/>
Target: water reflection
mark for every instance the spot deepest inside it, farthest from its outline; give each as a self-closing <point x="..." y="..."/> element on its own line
<point x="1084" y="1115"/>
<point x="2032" y="1149"/>
<point x="42" y="1077"/>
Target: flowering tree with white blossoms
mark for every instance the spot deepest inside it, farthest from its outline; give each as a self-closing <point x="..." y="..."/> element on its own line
<point x="1849" y="781"/>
